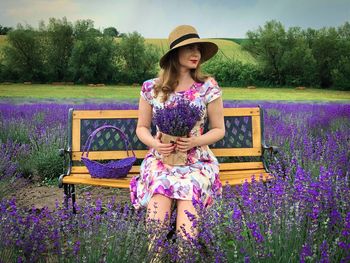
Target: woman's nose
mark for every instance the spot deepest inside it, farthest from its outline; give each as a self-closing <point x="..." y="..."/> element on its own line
<point x="196" y="51"/>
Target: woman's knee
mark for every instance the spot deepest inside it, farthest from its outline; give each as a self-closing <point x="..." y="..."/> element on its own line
<point x="159" y="207"/>
<point x="186" y="218"/>
<point x="183" y="205"/>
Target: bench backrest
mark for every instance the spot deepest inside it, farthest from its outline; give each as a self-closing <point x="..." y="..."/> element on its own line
<point x="243" y="137"/>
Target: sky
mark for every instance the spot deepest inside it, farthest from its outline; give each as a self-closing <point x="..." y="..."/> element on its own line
<point x="156" y="18"/>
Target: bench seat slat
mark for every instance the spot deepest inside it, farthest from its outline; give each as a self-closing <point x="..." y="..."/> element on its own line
<point x="241" y="166"/>
<point x="233" y="178"/>
<point x="78" y="179"/>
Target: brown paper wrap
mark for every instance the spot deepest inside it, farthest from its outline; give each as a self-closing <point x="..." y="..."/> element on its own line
<point x="176" y="157"/>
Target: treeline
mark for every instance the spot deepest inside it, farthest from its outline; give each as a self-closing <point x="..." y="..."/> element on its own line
<point x="4" y="30"/>
<point x="65" y="52"/>
<point x="293" y="57"/>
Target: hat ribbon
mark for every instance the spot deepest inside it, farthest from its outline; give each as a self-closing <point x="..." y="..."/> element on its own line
<point x="184" y="37"/>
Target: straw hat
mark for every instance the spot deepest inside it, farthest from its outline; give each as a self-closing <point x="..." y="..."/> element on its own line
<point x="185" y="35"/>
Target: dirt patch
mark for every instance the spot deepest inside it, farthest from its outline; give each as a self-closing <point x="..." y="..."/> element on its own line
<point x="31" y="195"/>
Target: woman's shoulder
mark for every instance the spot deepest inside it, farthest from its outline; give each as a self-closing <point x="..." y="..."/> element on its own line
<point x="148" y="86"/>
<point x="149" y="83"/>
<point x="147" y="90"/>
<point x="210" y="90"/>
<point x="210" y="82"/>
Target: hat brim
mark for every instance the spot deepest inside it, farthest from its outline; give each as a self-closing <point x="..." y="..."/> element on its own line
<point x="208" y="50"/>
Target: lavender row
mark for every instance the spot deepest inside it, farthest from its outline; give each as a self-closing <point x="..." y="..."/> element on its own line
<point x="302" y="215"/>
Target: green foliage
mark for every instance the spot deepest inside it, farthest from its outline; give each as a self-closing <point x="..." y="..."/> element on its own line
<point x="45" y="162"/>
<point x="302" y="57"/>
<point x="23" y="56"/>
<point x="111" y="32"/>
<point x="57" y="39"/>
<point x="138" y="60"/>
<point x="341" y="73"/>
<point x="323" y="45"/>
<point x="267" y="44"/>
<point x="93" y="60"/>
<point x="84" y="29"/>
<point x="14" y="131"/>
<point x="232" y="72"/>
<point x="298" y="64"/>
<point x="4" y="30"/>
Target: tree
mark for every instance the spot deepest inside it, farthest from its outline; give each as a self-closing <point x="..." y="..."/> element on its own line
<point x="138" y="59"/>
<point x="58" y="41"/>
<point x="93" y="60"/>
<point x="323" y="44"/>
<point x="298" y="63"/>
<point x="84" y="28"/>
<point x="23" y="54"/>
<point x="4" y="30"/>
<point x="267" y="44"/>
<point x="341" y="71"/>
<point x="111" y="31"/>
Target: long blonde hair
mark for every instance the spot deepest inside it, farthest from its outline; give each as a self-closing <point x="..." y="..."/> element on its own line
<point x="168" y="76"/>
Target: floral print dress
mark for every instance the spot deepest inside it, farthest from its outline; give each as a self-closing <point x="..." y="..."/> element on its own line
<point x="198" y="180"/>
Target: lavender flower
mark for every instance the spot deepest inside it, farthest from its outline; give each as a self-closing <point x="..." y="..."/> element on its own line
<point x="178" y="118"/>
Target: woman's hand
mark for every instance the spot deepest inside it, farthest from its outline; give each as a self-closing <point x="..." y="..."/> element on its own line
<point x="164" y="149"/>
<point x="185" y="144"/>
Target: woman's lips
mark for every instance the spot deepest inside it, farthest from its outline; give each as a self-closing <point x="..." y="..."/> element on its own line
<point x="194" y="61"/>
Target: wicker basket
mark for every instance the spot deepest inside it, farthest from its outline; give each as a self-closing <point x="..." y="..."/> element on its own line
<point x="112" y="169"/>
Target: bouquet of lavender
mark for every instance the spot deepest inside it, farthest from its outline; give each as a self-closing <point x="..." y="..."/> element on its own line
<point x="176" y="120"/>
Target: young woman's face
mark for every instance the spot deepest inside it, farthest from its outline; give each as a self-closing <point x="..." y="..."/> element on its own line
<point x="189" y="56"/>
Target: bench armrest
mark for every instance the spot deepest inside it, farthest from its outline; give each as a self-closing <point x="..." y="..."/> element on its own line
<point x="67" y="164"/>
<point x="272" y="150"/>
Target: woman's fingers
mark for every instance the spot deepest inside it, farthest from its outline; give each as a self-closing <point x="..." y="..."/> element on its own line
<point x="182" y="144"/>
<point x="166" y="148"/>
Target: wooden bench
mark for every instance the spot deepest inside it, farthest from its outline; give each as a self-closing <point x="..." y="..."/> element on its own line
<point x="240" y="152"/>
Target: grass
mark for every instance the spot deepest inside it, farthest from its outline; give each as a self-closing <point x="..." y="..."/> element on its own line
<point x="43" y="91"/>
<point x="237" y="40"/>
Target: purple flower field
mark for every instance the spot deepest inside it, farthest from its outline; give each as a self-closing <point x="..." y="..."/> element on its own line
<point x="303" y="215"/>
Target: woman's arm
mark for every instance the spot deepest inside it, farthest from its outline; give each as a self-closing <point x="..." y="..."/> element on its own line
<point x="217" y="132"/>
<point x="143" y="130"/>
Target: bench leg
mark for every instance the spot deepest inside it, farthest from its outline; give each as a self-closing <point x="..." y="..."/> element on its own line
<point x="66" y="195"/>
<point x="69" y="193"/>
<point x="73" y="198"/>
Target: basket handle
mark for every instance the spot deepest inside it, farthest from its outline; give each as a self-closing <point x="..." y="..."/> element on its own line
<point x="88" y="142"/>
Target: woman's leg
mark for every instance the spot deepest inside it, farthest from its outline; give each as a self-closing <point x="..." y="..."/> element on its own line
<point x="159" y="208"/>
<point x="182" y="220"/>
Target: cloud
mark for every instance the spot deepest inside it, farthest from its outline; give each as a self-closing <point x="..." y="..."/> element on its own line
<point x="156" y="18"/>
<point x="31" y="12"/>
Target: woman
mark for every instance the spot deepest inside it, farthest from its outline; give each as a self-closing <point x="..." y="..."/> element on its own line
<point x="159" y="184"/>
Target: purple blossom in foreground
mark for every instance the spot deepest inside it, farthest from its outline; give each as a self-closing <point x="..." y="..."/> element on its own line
<point x="178" y="118"/>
